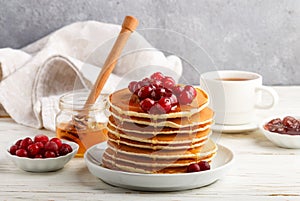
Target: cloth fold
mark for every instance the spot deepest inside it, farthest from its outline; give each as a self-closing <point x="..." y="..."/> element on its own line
<point x="33" y="78"/>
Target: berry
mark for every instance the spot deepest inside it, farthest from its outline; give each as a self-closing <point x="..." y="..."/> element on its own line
<point x="33" y="149"/>
<point x="40" y="145"/>
<point x="49" y="154"/>
<point x="21" y="153"/>
<point x="65" y="149"/>
<point x="177" y="90"/>
<point x="18" y="143"/>
<point x="204" y="165"/>
<point x="131" y="86"/>
<point x="13" y="149"/>
<point x="145" y="92"/>
<point x="51" y="146"/>
<point x="147" y="104"/>
<point x="156" y="83"/>
<point x="57" y="141"/>
<point x="194" y="167"/>
<point x="290" y="122"/>
<point x="146" y="81"/>
<point x="158" y="93"/>
<point x="165" y="103"/>
<point x="185" y="98"/>
<point x="25" y="143"/>
<point x="168" y="82"/>
<point x="191" y="89"/>
<point x="38" y="156"/>
<point x="41" y="138"/>
<point x="173" y="100"/>
<point x="157" y="76"/>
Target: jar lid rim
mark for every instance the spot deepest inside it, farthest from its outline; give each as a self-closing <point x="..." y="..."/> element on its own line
<point x="76" y="100"/>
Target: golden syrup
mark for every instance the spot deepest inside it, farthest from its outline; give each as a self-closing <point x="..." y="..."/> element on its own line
<point x="85" y="138"/>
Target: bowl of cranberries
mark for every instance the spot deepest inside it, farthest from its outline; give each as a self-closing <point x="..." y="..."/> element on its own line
<point x="41" y="154"/>
<point x="283" y="131"/>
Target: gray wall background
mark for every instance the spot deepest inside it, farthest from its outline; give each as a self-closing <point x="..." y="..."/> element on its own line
<point x="256" y="35"/>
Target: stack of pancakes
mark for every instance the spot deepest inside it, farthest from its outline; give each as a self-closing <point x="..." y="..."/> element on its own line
<point x="162" y="143"/>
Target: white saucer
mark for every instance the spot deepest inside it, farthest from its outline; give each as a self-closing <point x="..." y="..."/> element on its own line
<point x="158" y="182"/>
<point x="234" y="128"/>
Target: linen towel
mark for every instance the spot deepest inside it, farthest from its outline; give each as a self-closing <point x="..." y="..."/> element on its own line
<point x="33" y="78"/>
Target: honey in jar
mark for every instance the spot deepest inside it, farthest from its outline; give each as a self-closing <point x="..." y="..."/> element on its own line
<point x="86" y="127"/>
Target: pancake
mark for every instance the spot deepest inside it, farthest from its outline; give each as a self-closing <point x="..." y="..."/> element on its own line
<point x="175" y="138"/>
<point x="156" y="163"/>
<point x="154" y="130"/>
<point x="124" y="102"/>
<point x="157" y="145"/>
<point x="202" y="117"/>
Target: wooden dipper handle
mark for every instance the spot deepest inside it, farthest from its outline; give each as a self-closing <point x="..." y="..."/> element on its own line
<point x="129" y="25"/>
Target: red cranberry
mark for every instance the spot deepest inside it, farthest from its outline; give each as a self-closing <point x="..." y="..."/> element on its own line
<point x="57" y="141"/>
<point x="18" y="143"/>
<point x="157" y="76"/>
<point x="21" y="153"/>
<point x="165" y="103"/>
<point x="25" y="143"/>
<point x="168" y="92"/>
<point x="158" y="93"/>
<point x="146" y="81"/>
<point x="38" y="156"/>
<point x="173" y="99"/>
<point x="147" y="104"/>
<point x="185" y="98"/>
<point x="204" y="165"/>
<point x="65" y="149"/>
<point x="41" y="138"/>
<point x="33" y="149"/>
<point x="156" y="83"/>
<point x="177" y="90"/>
<point x="137" y="87"/>
<point x="145" y="92"/>
<point x="13" y="149"/>
<point x="131" y="86"/>
<point x="191" y="89"/>
<point x="290" y="122"/>
<point x="51" y="146"/>
<point x="168" y="82"/>
<point x="49" y="154"/>
<point x="40" y="145"/>
<point x="194" y="167"/>
<point x="276" y="121"/>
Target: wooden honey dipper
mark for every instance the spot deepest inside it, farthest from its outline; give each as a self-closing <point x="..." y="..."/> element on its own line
<point x="129" y="25"/>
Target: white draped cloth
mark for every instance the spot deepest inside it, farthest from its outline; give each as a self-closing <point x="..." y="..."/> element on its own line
<point x="33" y="78"/>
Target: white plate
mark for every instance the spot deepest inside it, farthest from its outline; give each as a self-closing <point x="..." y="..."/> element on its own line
<point x="158" y="182"/>
<point x="234" y="128"/>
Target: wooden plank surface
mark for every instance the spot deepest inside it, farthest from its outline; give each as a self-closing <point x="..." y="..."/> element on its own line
<point x="261" y="171"/>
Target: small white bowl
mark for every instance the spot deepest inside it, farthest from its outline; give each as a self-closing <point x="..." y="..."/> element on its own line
<point x="43" y="164"/>
<point x="281" y="140"/>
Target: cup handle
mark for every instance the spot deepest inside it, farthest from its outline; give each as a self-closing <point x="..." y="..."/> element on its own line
<point x="269" y="91"/>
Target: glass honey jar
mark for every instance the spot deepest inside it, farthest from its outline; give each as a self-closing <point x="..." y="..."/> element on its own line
<point x="86" y="127"/>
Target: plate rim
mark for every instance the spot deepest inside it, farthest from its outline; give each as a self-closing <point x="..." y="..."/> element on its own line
<point x="234" y="128"/>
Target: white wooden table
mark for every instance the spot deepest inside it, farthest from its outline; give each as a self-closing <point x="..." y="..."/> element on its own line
<point x="261" y="171"/>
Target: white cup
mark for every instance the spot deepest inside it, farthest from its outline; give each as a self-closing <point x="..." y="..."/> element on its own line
<point x="234" y="95"/>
